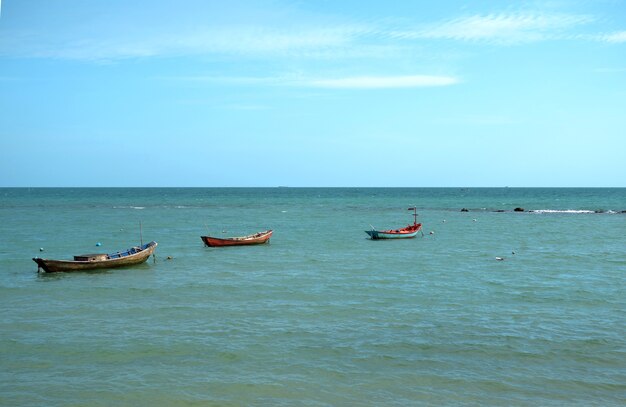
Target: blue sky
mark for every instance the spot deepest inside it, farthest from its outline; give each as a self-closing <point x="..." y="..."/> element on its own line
<point x="313" y="93"/>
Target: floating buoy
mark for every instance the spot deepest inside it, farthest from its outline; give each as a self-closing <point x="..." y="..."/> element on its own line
<point x="41" y="249"/>
<point x="98" y="244"/>
<point x="474" y="220"/>
<point x="169" y="257"/>
<point x="499" y="258"/>
<point x="444" y="221"/>
<point x="432" y="232"/>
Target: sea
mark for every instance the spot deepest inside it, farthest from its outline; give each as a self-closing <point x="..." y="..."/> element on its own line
<point x="488" y="307"/>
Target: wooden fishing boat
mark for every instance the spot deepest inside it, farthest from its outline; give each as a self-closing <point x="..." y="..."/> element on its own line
<point x="256" y="238"/>
<point x="128" y="257"/>
<point x="403" y="233"/>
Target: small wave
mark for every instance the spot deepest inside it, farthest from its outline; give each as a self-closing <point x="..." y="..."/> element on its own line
<point x="138" y="207"/>
<point x="563" y="211"/>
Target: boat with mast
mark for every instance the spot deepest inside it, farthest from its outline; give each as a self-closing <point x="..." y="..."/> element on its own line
<point x="406" y="232"/>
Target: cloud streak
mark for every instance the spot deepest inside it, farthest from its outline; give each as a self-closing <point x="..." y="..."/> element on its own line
<point x="383" y="82"/>
<point x="296" y="38"/>
<point x="353" y="82"/>
<point x="245" y="40"/>
<point x="498" y="28"/>
<point x="618" y="37"/>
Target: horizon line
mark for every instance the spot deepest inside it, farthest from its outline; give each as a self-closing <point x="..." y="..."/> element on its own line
<point x="305" y="187"/>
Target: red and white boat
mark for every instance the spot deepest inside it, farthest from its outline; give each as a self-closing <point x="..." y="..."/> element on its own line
<point x="402" y="233"/>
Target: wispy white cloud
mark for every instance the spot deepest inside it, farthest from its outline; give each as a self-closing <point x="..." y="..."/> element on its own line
<point x="263" y="40"/>
<point x="291" y="36"/>
<point x="615" y="37"/>
<point x="383" y="82"/>
<point x="354" y="82"/>
<point x="498" y="28"/>
<point x="250" y="41"/>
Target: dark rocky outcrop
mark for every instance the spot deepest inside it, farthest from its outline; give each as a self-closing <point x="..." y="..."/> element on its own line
<point x="518" y="209"/>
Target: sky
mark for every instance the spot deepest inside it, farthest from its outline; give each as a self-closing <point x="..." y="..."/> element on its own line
<point x="195" y="93"/>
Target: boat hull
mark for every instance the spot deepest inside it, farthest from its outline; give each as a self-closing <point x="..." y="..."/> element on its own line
<point x="129" y="257"/>
<point x="377" y="235"/>
<point x="406" y="233"/>
<point x="255" y="239"/>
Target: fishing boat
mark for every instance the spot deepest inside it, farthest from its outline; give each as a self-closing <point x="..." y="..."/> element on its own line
<point x="403" y="233"/>
<point x="128" y="257"/>
<point x="256" y="238"/>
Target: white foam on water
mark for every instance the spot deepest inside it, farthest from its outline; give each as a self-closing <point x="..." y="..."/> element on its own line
<point x="563" y="211"/>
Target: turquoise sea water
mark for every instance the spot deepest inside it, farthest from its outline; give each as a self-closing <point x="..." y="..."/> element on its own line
<point x="321" y="316"/>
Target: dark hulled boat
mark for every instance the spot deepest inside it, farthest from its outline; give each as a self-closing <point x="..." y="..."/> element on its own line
<point x="128" y="257"/>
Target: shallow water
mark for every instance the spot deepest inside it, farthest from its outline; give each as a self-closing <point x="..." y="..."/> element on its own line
<point x="322" y="315"/>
